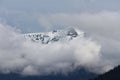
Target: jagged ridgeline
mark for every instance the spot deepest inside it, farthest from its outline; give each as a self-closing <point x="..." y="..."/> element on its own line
<point x="55" y="35"/>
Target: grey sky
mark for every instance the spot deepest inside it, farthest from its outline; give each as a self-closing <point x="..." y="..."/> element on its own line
<point x="55" y="6"/>
<point x="24" y="13"/>
<point x="98" y="18"/>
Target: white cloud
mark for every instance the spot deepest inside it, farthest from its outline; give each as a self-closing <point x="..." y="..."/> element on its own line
<point x="29" y="58"/>
<point x="102" y="26"/>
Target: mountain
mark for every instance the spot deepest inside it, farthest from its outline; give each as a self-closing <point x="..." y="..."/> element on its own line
<point x="49" y="38"/>
<point x="54" y="36"/>
<point x="79" y="74"/>
<point x="113" y="74"/>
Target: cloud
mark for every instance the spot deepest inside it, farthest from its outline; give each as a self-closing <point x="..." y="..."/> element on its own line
<point x="102" y="27"/>
<point x="28" y="58"/>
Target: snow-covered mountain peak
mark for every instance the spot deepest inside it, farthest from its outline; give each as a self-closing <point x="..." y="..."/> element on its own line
<point x="55" y="35"/>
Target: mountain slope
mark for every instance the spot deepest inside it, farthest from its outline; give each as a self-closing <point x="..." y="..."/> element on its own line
<point x="49" y="38"/>
<point x="54" y="36"/>
<point x="111" y="75"/>
<point x="80" y="74"/>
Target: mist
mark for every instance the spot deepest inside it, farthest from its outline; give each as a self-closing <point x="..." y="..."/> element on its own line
<point x="18" y="55"/>
<point x="102" y="27"/>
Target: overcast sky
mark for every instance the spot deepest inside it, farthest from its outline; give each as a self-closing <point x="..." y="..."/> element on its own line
<point x="24" y="14"/>
<point x="100" y="19"/>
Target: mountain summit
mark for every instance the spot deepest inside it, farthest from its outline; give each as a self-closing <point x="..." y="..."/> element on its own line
<point x="55" y="35"/>
<point x="113" y="74"/>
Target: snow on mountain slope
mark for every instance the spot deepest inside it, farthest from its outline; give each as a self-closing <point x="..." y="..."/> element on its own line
<point x="54" y="36"/>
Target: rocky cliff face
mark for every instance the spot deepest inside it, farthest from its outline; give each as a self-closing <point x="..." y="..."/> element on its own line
<point x="54" y="36"/>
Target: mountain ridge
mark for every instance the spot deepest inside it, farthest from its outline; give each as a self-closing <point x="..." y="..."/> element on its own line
<point x="78" y="74"/>
<point x="113" y="74"/>
<point x="55" y="35"/>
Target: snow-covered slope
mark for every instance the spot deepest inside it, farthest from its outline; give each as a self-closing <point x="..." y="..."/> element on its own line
<point x="55" y="36"/>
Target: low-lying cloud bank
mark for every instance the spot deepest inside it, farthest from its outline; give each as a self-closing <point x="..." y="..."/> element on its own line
<point x="104" y="27"/>
<point x="29" y="58"/>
